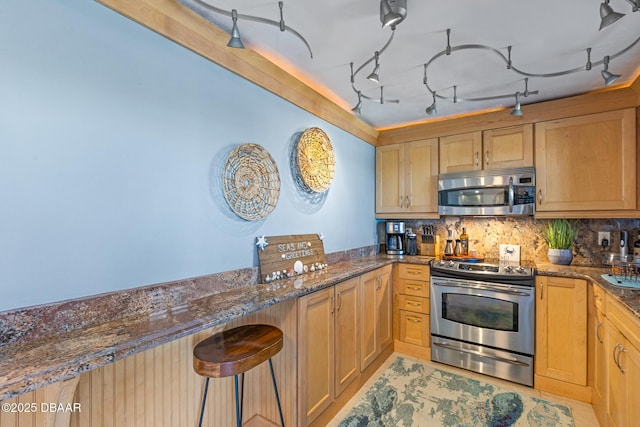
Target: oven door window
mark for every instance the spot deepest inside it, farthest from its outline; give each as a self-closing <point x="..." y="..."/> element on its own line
<point x="482" y="312"/>
<point x="495" y="196"/>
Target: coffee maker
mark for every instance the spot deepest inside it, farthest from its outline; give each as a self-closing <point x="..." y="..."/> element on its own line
<point x="395" y="238"/>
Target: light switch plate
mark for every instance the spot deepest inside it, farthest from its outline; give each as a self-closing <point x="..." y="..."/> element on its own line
<point x="510" y="253"/>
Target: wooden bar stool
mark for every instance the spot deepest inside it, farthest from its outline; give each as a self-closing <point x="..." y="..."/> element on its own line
<point x="234" y="352"/>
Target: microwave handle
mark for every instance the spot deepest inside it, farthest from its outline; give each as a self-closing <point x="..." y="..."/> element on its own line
<point x="511" y="194"/>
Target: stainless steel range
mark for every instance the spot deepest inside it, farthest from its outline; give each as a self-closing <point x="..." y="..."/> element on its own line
<point x="483" y="318"/>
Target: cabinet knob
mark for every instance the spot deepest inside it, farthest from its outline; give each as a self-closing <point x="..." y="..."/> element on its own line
<point x="539" y="197"/>
<point x="486" y="159"/>
<point x="477" y="156"/>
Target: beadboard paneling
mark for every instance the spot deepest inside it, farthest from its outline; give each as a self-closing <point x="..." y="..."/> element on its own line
<point x="159" y="387"/>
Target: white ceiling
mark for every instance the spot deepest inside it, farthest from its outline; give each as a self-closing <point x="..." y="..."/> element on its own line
<point x="546" y="36"/>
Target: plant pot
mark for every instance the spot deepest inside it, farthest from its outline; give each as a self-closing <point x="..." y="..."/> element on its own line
<point x="560" y="256"/>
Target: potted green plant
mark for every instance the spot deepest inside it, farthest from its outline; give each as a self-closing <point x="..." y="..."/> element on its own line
<point x="560" y="235"/>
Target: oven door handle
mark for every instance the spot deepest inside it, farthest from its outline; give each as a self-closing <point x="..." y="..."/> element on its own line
<point x="481" y="354"/>
<point x="483" y="288"/>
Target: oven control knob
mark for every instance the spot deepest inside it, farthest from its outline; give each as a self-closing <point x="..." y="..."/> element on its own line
<point x="441" y="263"/>
<point x="520" y="269"/>
<point x="452" y="264"/>
<point x="508" y="269"/>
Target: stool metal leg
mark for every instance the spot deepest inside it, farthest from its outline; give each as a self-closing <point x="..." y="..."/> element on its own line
<point x="204" y="399"/>
<point x="242" y="399"/>
<point x="238" y="413"/>
<point x="275" y="387"/>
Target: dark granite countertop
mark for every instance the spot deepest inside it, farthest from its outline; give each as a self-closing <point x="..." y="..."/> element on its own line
<point x="44" y="358"/>
<point x="39" y="359"/>
<point x="629" y="297"/>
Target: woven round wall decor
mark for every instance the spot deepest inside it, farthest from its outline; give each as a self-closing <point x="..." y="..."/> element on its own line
<point x="315" y="160"/>
<point x="251" y="182"/>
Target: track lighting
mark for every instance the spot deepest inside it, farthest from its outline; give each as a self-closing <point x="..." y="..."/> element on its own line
<point x="606" y="75"/>
<point x="358" y="108"/>
<point x="375" y="75"/>
<point x="388" y="9"/>
<point x="608" y="15"/>
<point x="204" y="9"/>
<point x="517" y="111"/>
<point x="432" y="110"/>
<point x="392" y="12"/>
<point x="235" y="40"/>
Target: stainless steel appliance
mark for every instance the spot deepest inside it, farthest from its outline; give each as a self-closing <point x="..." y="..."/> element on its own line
<point x="395" y="237"/>
<point x="490" y="192"/>
<point x="483" y="318"/>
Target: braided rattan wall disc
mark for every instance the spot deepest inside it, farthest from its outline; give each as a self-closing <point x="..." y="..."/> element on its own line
<point x="315" y="160"/>
<point x="251" y="182"/>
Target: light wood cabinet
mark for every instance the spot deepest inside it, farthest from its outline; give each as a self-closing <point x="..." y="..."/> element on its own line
<point x="622" y="344"/>
<point x="561" y="337"/>
<point x="460" y="153"/>
<point x="316" y="367"/>
<point x="328" y="354"/>
<point x="411" y="310"/>
<point x="587" y="164"/>
<point x="510" y="147"/>
<point x="375" y="315"/>
<point x="407" y="177"/>
<point x="490" y="149"/>
<point x="336" y="326"/>
<point x="347" y="350"/>
<point x="597" y="355"/>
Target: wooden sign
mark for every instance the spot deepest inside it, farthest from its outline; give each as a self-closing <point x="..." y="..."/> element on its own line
<point x="283" y="256"/>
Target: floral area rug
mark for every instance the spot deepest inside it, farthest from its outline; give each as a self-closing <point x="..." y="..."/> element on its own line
<point x="413" y="394"/>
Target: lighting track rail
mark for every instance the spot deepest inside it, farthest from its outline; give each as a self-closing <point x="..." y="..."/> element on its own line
<point x="397" y="8"/>
<point x="235" y="33"/>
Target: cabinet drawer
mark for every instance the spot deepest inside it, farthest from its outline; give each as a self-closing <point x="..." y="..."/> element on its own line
<point x="414" y="287"/>
<point x="413" y="272"/>
<point x="598" y="297"/>
<point x="414" y="328"/>
<point x="411" y="303"/>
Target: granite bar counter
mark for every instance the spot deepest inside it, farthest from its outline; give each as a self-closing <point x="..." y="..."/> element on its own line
<point x="50" y="343"/>
<point x="46" y="344"/>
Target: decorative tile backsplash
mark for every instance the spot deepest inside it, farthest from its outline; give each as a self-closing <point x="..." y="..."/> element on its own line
<point x="486" y="235"/>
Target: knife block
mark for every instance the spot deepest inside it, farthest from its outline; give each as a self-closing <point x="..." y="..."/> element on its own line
<point x="430" y="249"/>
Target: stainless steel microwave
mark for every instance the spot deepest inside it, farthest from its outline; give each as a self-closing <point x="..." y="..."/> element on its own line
<point x="490" y="192"/>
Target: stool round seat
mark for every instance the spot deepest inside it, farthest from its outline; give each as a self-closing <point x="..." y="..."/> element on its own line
<point x="236" y="350"/>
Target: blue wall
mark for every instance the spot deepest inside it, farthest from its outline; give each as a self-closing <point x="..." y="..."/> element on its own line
<point x="112" y="139"/>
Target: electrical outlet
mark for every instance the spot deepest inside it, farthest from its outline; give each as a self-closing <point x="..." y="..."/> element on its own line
<point x="604" y="235"/>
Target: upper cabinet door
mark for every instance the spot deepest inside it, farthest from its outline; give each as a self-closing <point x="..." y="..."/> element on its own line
<point x="390" y="178"/>
<point x="510" y="147"/>
<point x="407" y="178"/>
<point x="460" y="153"/>
<point x="586" y="163"/>
<point x="421" y="176"/>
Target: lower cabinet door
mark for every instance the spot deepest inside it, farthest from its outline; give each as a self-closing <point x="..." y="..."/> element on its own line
<point x="414" y="328"/>
<point x="316" y="369"/>
<point x="346" y="329"/>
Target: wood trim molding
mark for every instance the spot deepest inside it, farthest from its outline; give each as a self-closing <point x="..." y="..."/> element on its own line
<point x="593" y="102"/>
<point x="180" y="24"/>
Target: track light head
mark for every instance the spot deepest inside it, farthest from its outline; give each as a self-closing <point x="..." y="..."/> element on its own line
<point x="375" y="74"/>
<point x="609" y="77"/>
<point x="606" y="75"/>
<point x="235" y="40"/>
<point x="517" y="110"/>
<point x="392" y="12"/>
<point x="607" y="15"/>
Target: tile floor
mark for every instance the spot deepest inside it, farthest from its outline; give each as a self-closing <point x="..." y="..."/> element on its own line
<point x="583" y="415"/>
